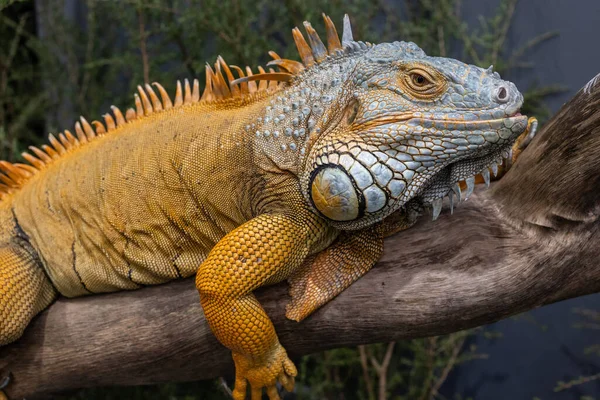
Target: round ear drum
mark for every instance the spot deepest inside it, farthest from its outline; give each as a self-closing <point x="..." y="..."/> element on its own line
<point x="335" y="195"/>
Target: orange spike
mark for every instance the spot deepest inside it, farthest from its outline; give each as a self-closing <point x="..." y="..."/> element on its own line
<point x="110" y="122"/>
<point x="36" y="162"/>
<point x="71" y="139"/>
<point x="145" y="101"/>
<point x="13" y="173"/>
<point x="166" y="100"/>
<point x="118" y="115"/>
<point x="80" y="134"/>
<point x="333" y="40"/>
<point x="56" y="144"/>
<point x="18" y="174"/>
<point x="178" y="96"/>
<point x="156" y="104"/>
<point x="87" y="128"/>
<point x="50" y="151"/>
<point x="100" y="129"/>
<point x="235" y="91"/>
<point x="41" y="154"/>
<point x="196" y="91"/>
<point x="272" y="82"/>
<point x="243" y="85"/>
<point x="8" y="181"/>
<point x="318" y="48"/>
<point x="4" y="165"/>
<point x="291" y="66"/>
<point x="5" y="191"/>
<point x="187" y="98"/>
<point x="274" y="55"/>
<point x="262" y="84"/>
<point x="26" y="170"/>
<point x="303" y="48"/>
<point x="139" y="109"/>
<point x="217" y="80"/>
<point x="208" y="94"/>
<point x="65" y="142"/>
<point x="221" y="87"/>
<point x="252" y="88"/>
<point x="130" y="114"/>
<point x="239" y="70"/>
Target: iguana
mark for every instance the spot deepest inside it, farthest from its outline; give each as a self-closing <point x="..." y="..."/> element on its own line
<point x="292" y="175"/>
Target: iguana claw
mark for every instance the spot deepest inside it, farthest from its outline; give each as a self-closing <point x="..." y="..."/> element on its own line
<point x="520" y="144"/>
<point x="4" y="381"/>
<point x="263" y="374"/>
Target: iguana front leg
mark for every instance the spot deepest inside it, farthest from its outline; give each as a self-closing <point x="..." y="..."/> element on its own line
<point x="353" y="254"/>
<point x="263" y="251"/>
<point x="328" y="273"/>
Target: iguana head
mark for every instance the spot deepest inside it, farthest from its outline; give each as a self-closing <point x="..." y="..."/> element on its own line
<point x="402" y="126"/>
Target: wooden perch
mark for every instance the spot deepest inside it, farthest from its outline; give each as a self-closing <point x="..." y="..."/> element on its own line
<point x="531" y="240"/>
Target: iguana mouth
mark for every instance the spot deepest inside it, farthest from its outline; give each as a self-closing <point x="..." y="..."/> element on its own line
<point x="447" y="182"/>
<point x="466" y="124"/>
<point x="424" y="121"/>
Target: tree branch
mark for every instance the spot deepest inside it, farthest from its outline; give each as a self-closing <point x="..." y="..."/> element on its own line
<point x="531" y="240"/>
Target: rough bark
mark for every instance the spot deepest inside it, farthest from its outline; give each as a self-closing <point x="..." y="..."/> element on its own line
<point x="531" y="240"/>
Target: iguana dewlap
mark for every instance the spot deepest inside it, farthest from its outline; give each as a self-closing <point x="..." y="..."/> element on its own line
<point x="293" y="175"/>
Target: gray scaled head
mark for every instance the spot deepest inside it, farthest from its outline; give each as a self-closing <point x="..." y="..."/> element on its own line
<point x="406" y="126"/>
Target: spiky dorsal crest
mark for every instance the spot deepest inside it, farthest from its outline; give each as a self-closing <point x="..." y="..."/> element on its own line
<point x="221" y="85"/>
<point x="311" y="52"/>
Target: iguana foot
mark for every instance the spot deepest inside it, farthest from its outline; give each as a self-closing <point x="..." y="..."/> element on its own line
<point x="264" y="373"/>
<point x="522" y="141"/>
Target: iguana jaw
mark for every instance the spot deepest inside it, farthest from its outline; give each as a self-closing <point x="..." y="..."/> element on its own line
<point x="446" y="183"/>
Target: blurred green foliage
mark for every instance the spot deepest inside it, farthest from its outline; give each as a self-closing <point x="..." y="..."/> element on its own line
<point x="58" y="62"/>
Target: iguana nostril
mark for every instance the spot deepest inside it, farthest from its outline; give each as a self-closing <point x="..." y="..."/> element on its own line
<point x="502" y="94"/>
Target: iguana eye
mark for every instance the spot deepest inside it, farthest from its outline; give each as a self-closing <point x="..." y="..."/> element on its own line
<point x="419" y="80"/>
<point x="422" y="82"/>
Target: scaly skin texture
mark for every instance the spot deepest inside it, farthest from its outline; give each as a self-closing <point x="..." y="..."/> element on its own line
<point x="299" y="177"/>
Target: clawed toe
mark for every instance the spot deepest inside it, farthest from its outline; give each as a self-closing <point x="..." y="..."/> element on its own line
<point x="532" y="126"/>
<point x="273" y="393"/>
<point x="263" y="374"/>
<point x="5" y="380"/>
<point x="287" y="382"/>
